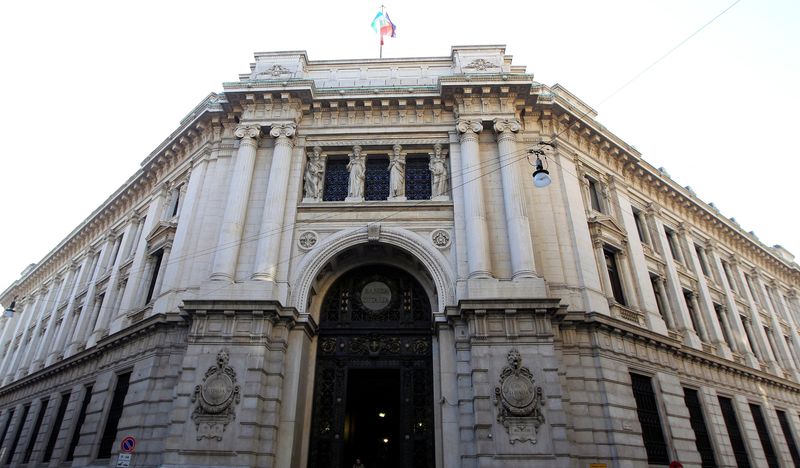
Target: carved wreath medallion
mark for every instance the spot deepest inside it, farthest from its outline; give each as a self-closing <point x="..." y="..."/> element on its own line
<point x="481" y="64"/>
<point x="519" y="401"/>
<point x="215" y="399"/>
<point x="307" y="240"/>
<point x="440" y="238"/>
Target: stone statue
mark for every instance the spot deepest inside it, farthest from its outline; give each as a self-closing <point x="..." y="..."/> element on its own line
<point x="397" y="174"/>
<point x="356" y="166"/>
<point x="439" y="180"/>
<point x="315" y="169"/>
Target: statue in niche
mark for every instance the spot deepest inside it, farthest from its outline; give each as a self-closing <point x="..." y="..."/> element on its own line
<point x="519" y="401"/>
<point x="315" y="169"/>
<point x="439" y="179"/>
<point x="397" y="173"/>
<point x="357" y="169"/>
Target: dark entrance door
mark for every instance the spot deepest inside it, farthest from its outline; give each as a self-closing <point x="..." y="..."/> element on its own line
<point x="373" y="394"/>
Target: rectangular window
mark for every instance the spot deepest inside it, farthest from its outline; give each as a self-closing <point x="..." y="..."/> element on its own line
<point x="76" y="432"/>
<point x="701" y="258"/>
<point x="614" y="275"/>
<point x="8" y="424"/>
<point x="753" y="291"/>
<point x="17" y="433"/>
<point x="727" y="269"/>
<point x="114" y="414"/>
<point x="787" y="434"/>
<point x="336" y="180"/>
<point x="687" y="297"/>
<point x="722" y="320"/>
<point x="176" y="201"/>
<point x="376" y="180"/>
<point x="594" y="194"/>
<point x="734" y="433"/>
<point x="157" y="257"/>
<point x="698" y="422"/>
<point x="672" y="241"/>
<point x="638" y="218"/>
<point x="654" y="279"/>
<point x="749" y="336"/>
<point x="647" y="411"/>
<point x="35" y="431"/>
<point x="763" y="435"/>
<point x="115" y="252"/>
<point x="418" y="178"/>
<point x="51" y="441"/>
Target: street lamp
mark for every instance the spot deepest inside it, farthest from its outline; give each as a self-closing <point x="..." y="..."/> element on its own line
<point x="541" y="176"/>
<point x="9" y="312"/>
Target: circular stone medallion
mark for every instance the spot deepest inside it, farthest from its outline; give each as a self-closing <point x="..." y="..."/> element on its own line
<point x="376" y="295"/>
<point x="217" y="389"/>
<point x="518" y="391"/>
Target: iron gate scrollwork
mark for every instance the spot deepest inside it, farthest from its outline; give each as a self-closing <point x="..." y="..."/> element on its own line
<point x="366" y="327"/>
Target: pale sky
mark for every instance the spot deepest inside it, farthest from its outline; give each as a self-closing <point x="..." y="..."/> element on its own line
<point x="92" y="87"/>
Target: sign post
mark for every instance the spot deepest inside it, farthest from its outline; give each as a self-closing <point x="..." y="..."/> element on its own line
<point x="126" y="448"/>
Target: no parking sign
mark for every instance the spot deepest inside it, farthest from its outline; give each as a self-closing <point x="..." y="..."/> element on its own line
<point x="127" y="445"/>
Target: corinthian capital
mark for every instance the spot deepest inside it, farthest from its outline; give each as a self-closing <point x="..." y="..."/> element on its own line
<point x="284" y="129"/>
<point x="506" y="125"/>
<point x="247" y="131"/>
<point x="464" y="126"/>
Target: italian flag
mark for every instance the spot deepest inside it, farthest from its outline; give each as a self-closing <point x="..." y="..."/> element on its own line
<point x="383" y="25"/>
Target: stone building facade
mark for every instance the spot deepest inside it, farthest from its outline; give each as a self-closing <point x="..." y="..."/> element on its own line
<point x="346" y="259"/>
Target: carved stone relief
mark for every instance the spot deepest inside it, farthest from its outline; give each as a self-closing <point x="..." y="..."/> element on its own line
<point x="519" y="401"/>
<point x="307" y="240"/>
<point x="440" y="238"/>
<point x="215" y="399"/>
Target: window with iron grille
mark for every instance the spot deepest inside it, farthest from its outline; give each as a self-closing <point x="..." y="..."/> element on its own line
<point x="698" y="422"/>
<point x="51" y="441"/>
<point x="114" y="415"/>
<point x="336" y="180"/>
<point x="787" y="434"/>
<point x="763" y="435"/>
<point x="418" y="177"/>
<point x="17" y="433"/>
<point x="647" y="411"/>
<point x="35" y="431"/>
<point x="376" y="180"/>
<point x="734" y="434"/>
<point x="76" y="433"/>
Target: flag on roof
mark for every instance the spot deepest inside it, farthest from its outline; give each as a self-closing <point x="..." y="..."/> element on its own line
<point x="383" y="25"/>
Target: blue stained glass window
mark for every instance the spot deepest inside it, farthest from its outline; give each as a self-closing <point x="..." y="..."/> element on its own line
<point x="418" y="178"/>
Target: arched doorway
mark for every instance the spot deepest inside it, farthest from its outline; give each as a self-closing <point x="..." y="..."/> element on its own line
<point x="373" y="391"/>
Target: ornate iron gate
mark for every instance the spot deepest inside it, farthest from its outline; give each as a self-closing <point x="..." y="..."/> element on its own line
<point x="375" y="320"/>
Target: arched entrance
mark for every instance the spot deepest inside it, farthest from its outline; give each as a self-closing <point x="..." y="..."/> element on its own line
<point x="373" y="391"/>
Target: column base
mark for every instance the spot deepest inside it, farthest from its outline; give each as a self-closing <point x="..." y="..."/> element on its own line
<point x="221" y="277"/>
<point x="36" y="365"/>
<point x="521" y="288"/>
<point x="52" y="359"/>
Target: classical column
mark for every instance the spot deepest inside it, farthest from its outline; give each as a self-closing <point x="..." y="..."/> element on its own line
<point x="600" y="254"/>
<point x="698" y="316"/>
<point x="57" y="350"/>
<point x="517" y="223"/>
<point x="723" y="317"/>
<point x="78" y="339"/>
<point x="269" y="235"/>
<point x="631" y="291"/>
<point x="25" y="326"/>
<point x="10" y="328"/>
<point x="230" y="236"/>
<point x="748" y="329"/>
<point x="477" y="230"/>
<point x="662" y="292"/>
<point x="44" y="345"/>
<point x="161" y="271"/>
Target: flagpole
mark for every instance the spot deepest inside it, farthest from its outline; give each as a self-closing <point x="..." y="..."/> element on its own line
<point x="380" y="34"/>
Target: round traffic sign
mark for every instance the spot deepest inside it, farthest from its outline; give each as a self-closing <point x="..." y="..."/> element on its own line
<point x="127" y="445"/>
